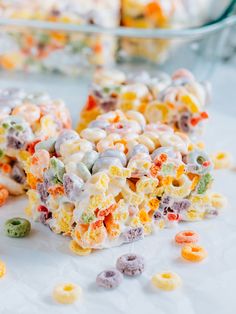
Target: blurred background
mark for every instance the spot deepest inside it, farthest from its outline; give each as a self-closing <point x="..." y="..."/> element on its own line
<point x="55" y="45"/>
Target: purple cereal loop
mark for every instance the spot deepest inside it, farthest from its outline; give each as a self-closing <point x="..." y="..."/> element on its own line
<point x="109" y="279"/>
<point x="15" y="142"/>
<point x="184" y="122"/>
<point x="42" y="190"/>
<point x="18" y="174"/>
<point x="130" y="264"/>
<point x="157" y="215"/>
<point x="133" y="234"/>
<point x="72" y="185"/>
<point x="181" y="205"/>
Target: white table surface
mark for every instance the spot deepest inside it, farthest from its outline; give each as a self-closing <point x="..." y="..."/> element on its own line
<point x="39" y="262"/>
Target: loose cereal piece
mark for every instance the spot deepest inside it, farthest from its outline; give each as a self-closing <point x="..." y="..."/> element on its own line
<point x="167" y="281"/>
<point x="130" y="264"/>
<point x="193" y="253"/>
<point x="187" y="236"/>
<point x="66" y="293"/>
<point x="17" y="227"/>
<point x="109" y="279"/>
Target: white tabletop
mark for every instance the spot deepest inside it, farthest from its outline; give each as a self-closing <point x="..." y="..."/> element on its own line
<point x="39" y="262"/>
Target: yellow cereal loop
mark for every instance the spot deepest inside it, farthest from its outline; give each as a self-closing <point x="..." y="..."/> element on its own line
<point x="119" y="172"/>
<point x="180" y="187"/>
<point x="194" y="182"/>
<point x="131" y="197"/>
<point x="2" y="269"/>
<point x="24" y="155"/>
<point x="66" y="293"/>
<point x="107" y="202"/>
<point x="218" y="200"/>
<point x="190" y="147"/>
<point x="129" y="96"/>
<point x="192" y="214"/>
<point x="135" y="222"/>
<point x="147" y="229"/>
<point x="222" y="160"/>
<point x="161" y="224"/>
<point x="201" y="145"/>
<point x="156" y="112"/>
<point x="78" y="250"/>
<point x="95" y="201"/>
<point x="102" y="183"/>
<point x="167" y="281"/>
<point x="2" y="131"/>
<point x="188" y="101"/>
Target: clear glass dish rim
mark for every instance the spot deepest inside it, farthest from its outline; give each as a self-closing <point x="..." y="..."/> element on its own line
<point x="122" y="31"/>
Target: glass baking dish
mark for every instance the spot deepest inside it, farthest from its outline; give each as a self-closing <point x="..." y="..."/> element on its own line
<point x="197" y="49"/>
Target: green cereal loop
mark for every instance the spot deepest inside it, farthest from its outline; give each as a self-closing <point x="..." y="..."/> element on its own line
<point x="59" y="168"/>
<point x="17" y="227"/>
<point x="88" y="217"/>
<point x="5" y="125"/>
<point x="204" y="183"/>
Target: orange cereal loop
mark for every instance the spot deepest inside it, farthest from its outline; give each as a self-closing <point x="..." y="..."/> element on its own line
<point x="154" y="170"/>
<point x="163" y="157"/>
<point x="166" y="181"/>
<point x="96" y="224"/>
<point x="143" y="216"/>
<point x="180" y="171"/>
<point x="91" y="103"/>
<point x="32" y="180"/>
<point x="3" y="195"/>
<point x="142" y="107"/>
<point x="154" y="203"/>
<point x="55" y="190"/>
<point x="6" y="168"/>
<point x="107" y="211"/>
<point x="193" y="253"/>
<point x="187" y="236"/>
<point x="113" y="229"/>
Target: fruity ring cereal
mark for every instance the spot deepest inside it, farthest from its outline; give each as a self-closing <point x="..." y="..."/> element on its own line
<point x="218" y="200"/>
<point x="17" y="227"/>
<point x="193" y="253"/>
<point x="109" y="279"/>
<point x="130" y="264"/>
<point x="166" y="281"/>
<point x="25" y="121"/>
<point x="222" y="160"/>
<point x="66" y="293"/>
<point x="75" y="248"/>
<point x="178" y="101"/>
<point x="122" y="187"/>
<point x="186" y="236"/>
<point x="2" y="269"/>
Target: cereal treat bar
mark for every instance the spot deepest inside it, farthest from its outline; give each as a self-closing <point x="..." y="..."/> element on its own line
<point x="57" y="51"/>
<point x="169" y="14"/>
<point x="119" y="180"/>
<point x="25" y="120"/>
<point x="178" y="101"/>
